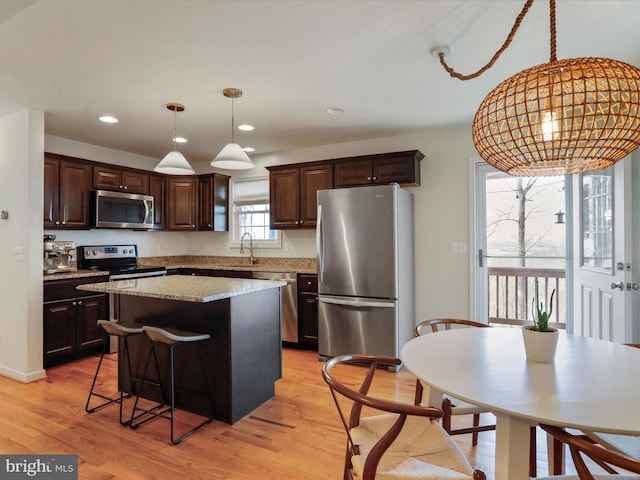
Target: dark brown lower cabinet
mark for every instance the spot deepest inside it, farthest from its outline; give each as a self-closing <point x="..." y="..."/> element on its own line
<point x="308" y="311"/>
<point x="70" y="317"/>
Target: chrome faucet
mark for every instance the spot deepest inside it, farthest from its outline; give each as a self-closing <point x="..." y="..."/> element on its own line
<point x="252" y="259"/>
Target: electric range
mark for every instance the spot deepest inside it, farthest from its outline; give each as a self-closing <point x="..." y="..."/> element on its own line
<point x="121" y="261"/>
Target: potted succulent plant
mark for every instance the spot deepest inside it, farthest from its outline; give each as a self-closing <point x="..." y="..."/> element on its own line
<point x="540" y="340"/>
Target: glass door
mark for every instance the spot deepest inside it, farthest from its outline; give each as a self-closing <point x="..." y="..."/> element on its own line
<point x="521" y="232"/>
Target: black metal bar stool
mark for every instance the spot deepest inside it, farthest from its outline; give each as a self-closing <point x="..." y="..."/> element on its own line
<point x="172" y="338"/>
<point x="117" y="329"/>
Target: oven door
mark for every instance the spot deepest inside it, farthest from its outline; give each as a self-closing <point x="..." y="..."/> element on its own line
<point x="114" y="300"/>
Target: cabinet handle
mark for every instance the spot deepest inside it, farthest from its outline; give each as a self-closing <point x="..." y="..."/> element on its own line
<point x="311" y="300"/>
<point x="301" y="222"/>
<point x="64" y="223"/>
<point x="297" y="222"/>
<point x="193" y="226"/>
<point x="121" y="187"/>
<point x="369" y="178"/>
<point x="309" y="283"/>
<point x="375" y="178"/>
<point x="57" y="222"/>
<point x="80" y="302"/>
<point x="74" y="303"/>
<point x="209" y="225"/>
<point x="126" y="187"/>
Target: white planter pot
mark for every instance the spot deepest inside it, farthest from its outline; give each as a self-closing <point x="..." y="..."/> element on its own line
<point x="540" y="346"/>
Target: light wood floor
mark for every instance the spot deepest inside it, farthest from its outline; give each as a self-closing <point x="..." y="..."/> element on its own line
<point x="297" y="435"/>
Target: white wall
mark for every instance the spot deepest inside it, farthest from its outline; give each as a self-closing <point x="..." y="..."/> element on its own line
<point x="21" y="194"/>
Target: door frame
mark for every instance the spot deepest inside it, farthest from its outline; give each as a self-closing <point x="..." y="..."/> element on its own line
<point x="477" y="221"/>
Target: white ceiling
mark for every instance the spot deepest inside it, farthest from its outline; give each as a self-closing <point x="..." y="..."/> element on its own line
<point x="76" y="60"/>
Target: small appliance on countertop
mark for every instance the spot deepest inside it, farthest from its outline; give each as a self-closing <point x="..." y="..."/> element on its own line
<point x="57" y="255"/>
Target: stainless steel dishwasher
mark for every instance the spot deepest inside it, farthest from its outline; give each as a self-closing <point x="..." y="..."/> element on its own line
<point x="289" y="303"/>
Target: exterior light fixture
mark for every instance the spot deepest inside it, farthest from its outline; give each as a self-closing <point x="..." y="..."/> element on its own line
<point x="232" y="157"/>
<point x="174" y="162"/>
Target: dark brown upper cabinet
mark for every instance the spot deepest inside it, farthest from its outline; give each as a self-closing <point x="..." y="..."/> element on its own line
<point x="292" y="194"/>
<point x="398" y="167"/>
<point x="183" y="203"/>
<point x="67" y="186"/>
<point x="120" y="179"/>
<point x="213" y="202"/>
<point x="158" y="190"/>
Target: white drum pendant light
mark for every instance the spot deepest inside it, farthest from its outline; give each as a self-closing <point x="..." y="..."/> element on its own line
<point x="232" y="157"/>
<point x="174" y="162"/>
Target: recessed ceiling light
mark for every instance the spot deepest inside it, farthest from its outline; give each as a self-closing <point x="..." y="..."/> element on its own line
<point x="180" y="140"/>
<point x="245" y="127"/>
<point x="108" y="119"/>
<point x="335" y="110"/>
<point x="249" y="149"/>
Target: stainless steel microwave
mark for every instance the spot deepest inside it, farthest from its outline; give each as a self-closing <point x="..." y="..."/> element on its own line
<point x="122" y="210"/>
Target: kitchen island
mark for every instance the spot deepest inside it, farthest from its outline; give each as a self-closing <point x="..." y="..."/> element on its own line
<point x="242" y="358"/>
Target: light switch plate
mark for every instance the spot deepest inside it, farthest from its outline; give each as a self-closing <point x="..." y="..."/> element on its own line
<point x="458" y="247"/>
<point x="18" y="253"/>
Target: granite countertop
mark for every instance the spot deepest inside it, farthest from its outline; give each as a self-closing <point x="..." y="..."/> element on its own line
<point x="185" y="288"/>
<point x="73" y="275"/>
<point x="262" y="264"/>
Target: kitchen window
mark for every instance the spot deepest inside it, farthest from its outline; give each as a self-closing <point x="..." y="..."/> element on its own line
<point x="250" y="213"/>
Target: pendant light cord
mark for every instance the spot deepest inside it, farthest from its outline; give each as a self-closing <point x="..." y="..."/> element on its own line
<point x="175" y="130"/>
<point x="232" y="140"/>
<point x="505" y="45"/>
<point x="552" y="31"/>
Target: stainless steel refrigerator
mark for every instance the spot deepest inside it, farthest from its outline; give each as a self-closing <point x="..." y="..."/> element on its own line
<point x="365" y="270"/>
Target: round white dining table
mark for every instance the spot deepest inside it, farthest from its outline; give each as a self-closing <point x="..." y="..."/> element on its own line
<point x="591" y="385"/>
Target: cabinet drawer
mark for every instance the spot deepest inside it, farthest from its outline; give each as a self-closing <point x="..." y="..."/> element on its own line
<point x="62" y="289"/>
<point x="308" y="283"/>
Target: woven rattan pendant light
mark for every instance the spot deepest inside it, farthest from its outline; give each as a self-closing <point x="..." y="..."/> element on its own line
<point x="563" y="117"/>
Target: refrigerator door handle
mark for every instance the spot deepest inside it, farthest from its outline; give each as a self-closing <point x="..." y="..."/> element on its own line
<point x="356" y="303"/>
<point x="320" y="244"/>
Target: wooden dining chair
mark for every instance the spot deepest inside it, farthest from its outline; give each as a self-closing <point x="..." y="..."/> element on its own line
<point x="582" y="448"/>
<point x="399" y="440"/>
<point x="450" y="405"/>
